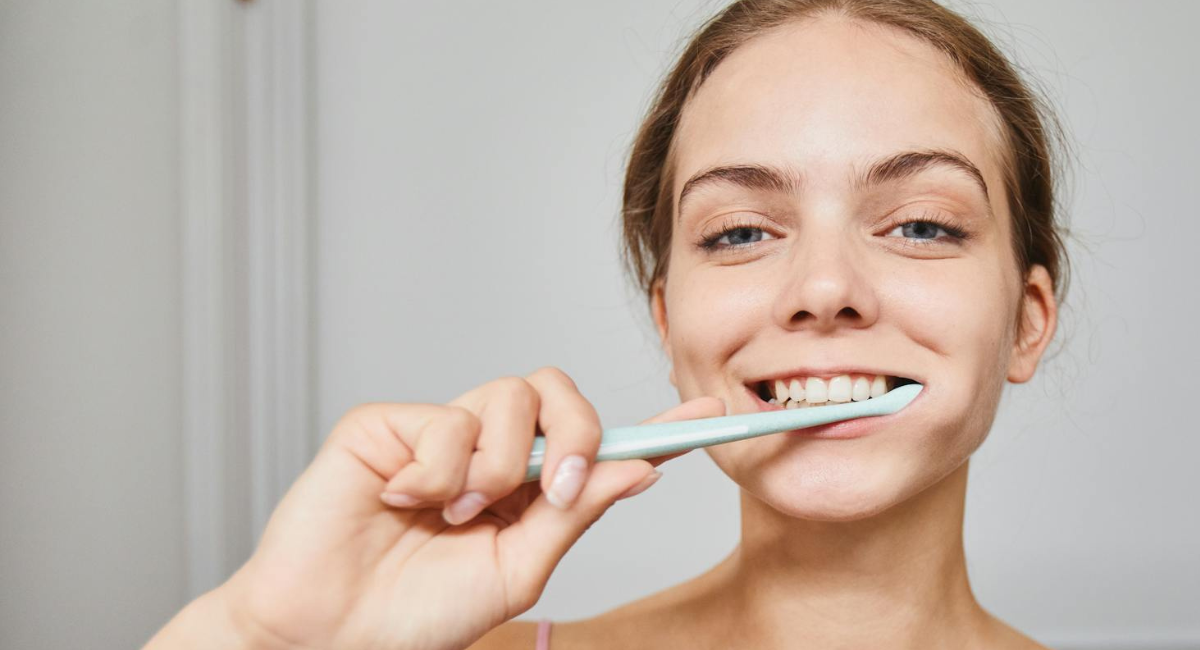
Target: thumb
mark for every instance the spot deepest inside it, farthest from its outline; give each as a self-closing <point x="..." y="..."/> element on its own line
<point x="531" y="548"/>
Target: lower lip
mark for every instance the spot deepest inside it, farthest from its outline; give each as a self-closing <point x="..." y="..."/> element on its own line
<point x="844" y="430"/>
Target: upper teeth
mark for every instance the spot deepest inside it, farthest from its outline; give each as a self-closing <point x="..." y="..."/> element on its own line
<point x="800" y="392"/>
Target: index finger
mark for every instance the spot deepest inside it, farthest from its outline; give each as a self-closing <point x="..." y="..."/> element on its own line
<point x="701" y="407"/>
<point x="572" y="428"/>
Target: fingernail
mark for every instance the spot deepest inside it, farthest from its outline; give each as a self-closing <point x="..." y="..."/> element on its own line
<point x="641" y="487"/>
<point x="397" y="500"/>
<point x="464" y="508"/>
<point x="568" y="481"/>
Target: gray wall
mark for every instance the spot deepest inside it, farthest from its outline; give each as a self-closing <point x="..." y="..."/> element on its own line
<point x="91" y="542"/>
<point x="469" y="159"/>
<point x="469" y="165"/>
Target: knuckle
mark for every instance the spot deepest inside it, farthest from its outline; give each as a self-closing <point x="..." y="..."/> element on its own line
<point x="354" y="422"/>
<point x="591" y="431"/>
<point x="518" y="390"/>
<point x="458" y="418"/>
<point x="359" y="411"/>
<point x="554" y="373"/>
<point x="586" y="424"/>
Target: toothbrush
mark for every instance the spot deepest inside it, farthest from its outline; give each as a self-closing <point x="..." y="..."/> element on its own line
<point x="660" y="439"/>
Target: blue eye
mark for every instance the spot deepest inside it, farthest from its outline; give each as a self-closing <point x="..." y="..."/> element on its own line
<point x="927" y="229"/>
<point x="919" y="229"/>
<point x="740" y="236"/>
<point x="736" y="235"/>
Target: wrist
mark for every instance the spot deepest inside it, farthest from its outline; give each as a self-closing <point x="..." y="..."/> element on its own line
<point x="242" y="629"/>
<point x="213" y="620"/>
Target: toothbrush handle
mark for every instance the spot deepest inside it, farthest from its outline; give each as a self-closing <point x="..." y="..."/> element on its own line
<point x="660" y="439"/>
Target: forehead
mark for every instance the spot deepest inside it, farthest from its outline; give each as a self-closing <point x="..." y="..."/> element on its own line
<point x="827" y="95"/>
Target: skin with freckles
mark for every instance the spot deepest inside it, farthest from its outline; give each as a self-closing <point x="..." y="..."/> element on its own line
<point x="854" y="542"/>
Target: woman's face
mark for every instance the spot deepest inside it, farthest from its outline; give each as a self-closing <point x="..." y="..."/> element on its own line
<point x="815" y="273"/>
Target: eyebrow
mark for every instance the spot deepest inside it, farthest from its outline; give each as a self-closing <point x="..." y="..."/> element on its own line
<point x="892" y="168"/>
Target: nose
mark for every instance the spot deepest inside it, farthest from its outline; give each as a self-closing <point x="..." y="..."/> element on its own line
<point x="827" y="287"/>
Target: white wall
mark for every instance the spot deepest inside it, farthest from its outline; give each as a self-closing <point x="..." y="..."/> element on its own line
<point x="469" y="166"/>
<point x="91" y="541"/>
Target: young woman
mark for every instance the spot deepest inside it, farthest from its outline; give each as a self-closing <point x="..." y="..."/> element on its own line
<point x="828" y="194"/>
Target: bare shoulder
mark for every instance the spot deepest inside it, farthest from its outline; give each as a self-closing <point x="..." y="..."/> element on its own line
<point x="513" y="635"/>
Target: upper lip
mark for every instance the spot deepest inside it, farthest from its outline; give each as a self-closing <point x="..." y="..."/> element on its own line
<point x="828" y="372"/>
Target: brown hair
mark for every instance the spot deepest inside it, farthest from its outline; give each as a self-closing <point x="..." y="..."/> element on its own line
<point x="1029" y="166"/>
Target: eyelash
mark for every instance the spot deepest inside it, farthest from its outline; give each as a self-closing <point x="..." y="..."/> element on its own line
<point x="708" y="242"/>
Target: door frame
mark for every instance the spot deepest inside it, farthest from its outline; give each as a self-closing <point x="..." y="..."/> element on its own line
<point x="246" y="226"/>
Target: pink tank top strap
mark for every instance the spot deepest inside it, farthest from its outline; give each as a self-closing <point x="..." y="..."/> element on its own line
<point x="543" y="634"/>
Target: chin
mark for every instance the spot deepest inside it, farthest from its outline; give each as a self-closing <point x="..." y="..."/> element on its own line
<point x="835" y="507"/>
<point x="836" y="511"/>
<point x="831" y="489"/>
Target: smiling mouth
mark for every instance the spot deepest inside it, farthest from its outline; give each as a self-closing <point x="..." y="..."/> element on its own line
<point x="806" y="392"/>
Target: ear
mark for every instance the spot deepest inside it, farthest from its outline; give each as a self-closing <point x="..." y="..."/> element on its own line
<point x="1038" y="320"/>
<point x="658" y="307"/>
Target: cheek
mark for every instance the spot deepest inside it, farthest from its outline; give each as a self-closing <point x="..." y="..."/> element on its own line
<point x="957" y="309"/>
<point x="962" y="313"/>
<point x="712" y="313"/>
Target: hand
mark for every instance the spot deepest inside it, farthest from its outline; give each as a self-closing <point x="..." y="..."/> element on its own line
<point x="412" y="528"/>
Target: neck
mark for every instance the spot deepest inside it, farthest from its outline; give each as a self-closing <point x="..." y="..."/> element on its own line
<point x="897" y="579"/>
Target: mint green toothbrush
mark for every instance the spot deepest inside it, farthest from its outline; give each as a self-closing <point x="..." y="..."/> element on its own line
<point x="650" y="440"/>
